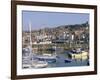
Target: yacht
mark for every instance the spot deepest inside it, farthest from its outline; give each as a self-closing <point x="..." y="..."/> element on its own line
<point x="50" y="58"/>
<point x="47" y="57"/>
<point x="39" y="64"/>
<point x="29" y="58"/>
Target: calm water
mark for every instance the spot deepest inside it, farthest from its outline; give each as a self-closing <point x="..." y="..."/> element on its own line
<point x="61" y="63"/>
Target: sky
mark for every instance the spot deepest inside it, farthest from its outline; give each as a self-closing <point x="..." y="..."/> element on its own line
<point x="42" y="19"/>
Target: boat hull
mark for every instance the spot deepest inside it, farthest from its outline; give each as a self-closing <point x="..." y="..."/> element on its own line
<point x="48" y="60"/>
<point x="39" y="64"/>
<point x="68" y="60"/>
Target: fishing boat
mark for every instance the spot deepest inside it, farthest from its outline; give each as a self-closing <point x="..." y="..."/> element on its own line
<point x="78" y="54"/>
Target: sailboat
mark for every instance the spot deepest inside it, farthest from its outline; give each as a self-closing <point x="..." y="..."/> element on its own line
<point x="26" y="54"/>
<point x="32" y="62"/>
<point x="47" y="57"/>
<point x="50" y="58"/>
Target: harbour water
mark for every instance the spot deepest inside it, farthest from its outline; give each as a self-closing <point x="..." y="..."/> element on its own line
<point x="54" y="47"/>
<point x="60" y="61"/>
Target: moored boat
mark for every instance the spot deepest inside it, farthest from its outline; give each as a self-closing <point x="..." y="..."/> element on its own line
<point x="68" y="60"/>
<point x="78" y="54"/>
<point x="47" y="57"/>
<point x="39" y="64"/>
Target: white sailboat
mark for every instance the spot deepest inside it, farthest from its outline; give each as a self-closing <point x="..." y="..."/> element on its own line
<point x="50" y="58"/>
<point x="29" y="57"/>
<point x="26" y="58"/>
<point x="35" y="63"/>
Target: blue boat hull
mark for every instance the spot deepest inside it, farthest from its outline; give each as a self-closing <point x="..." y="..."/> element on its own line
<point x="67" y="60"/>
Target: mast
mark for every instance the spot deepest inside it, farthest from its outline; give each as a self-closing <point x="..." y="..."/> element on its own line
<point x="30" y="37"/>
<point x="55" y="49"/>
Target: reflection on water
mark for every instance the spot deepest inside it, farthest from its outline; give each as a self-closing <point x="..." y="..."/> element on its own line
<point x="60" y="60"/>
<point x="61" y="63"/>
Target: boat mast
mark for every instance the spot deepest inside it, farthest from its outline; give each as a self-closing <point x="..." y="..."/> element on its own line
<point x="55" y="49"/>
<point x="30" y="37"/>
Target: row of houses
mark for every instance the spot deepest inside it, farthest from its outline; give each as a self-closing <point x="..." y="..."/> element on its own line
<point x="66" y="36"/>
